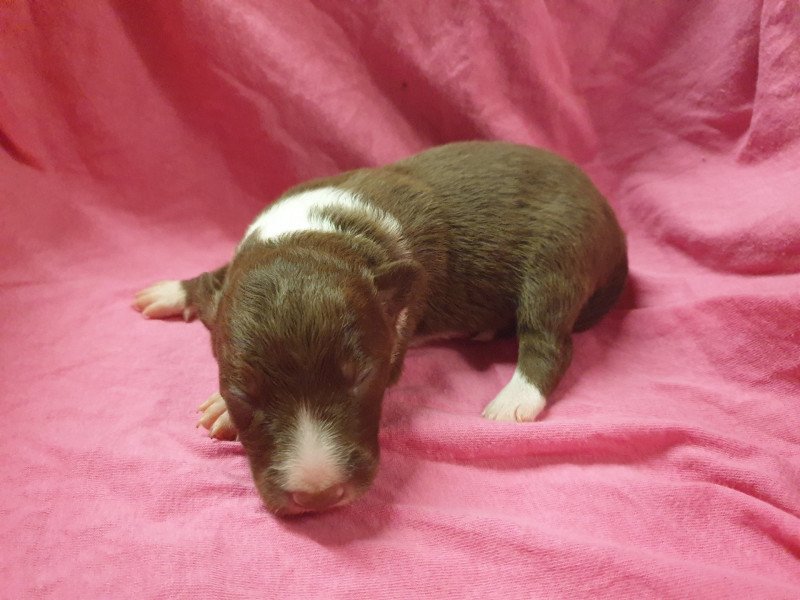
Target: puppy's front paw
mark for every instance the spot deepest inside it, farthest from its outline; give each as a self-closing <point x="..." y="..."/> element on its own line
<point x="164" y="299"/>
<point x="217" y="419"/>
<point x="519" y="401"/>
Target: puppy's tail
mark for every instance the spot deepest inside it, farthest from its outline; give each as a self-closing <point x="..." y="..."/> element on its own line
<point x="604" y="298"/>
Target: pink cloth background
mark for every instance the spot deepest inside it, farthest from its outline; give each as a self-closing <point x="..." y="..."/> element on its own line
<point x="141" y="137"/>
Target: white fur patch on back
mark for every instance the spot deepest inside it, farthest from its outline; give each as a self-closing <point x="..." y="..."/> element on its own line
<point x="301" y="212"/>
<point x="314" y="460"/>
<point x="517" y="401"/>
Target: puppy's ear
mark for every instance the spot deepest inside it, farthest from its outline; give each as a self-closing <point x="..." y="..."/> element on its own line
<point x="397" y="283"/>
<point x="203" y="294"/>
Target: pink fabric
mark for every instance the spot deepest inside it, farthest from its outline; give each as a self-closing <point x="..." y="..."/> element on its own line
<point x="140" y="138"/>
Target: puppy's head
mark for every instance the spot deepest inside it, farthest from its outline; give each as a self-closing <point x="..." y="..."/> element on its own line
<point x="305" y="351"/>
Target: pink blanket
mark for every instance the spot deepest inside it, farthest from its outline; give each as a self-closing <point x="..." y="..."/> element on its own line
<point x="140" y="137"/>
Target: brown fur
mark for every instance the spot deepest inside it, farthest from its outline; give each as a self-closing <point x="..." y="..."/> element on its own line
<point x="495" y="236"/>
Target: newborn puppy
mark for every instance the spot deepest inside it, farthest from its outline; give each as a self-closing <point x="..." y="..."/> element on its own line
<point x="312" y="317"/>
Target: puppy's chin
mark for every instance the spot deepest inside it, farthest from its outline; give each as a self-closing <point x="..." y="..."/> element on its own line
<point x="286" y="504"/>
<point x="290" y="508"/>
<point x="314" y="486"/>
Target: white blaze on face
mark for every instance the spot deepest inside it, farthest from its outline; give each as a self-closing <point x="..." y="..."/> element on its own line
<point x="301" y="212"/>
<point x="314" y="460"/>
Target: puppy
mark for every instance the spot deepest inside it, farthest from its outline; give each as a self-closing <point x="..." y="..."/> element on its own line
<point x="312" y="317"/>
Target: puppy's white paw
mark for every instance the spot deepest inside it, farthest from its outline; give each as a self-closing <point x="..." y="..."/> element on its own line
<point x="217" y="419"/>
<point x="163" y="299"/>
<point x="518" y="401"/>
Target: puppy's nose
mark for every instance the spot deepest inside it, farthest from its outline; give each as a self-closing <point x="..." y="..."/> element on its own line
<point x="319" y="500"/>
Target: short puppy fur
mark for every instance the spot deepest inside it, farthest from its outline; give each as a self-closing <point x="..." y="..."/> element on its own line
<point x="311" y="319"/>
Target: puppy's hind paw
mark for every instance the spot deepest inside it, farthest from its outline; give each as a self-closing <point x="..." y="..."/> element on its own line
<point x="518" y="401"/>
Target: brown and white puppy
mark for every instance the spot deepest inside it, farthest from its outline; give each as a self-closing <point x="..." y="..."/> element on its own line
<point x="312" y="317"/>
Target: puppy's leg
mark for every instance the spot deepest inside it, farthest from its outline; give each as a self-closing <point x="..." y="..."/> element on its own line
<point x="217" y="419"/>
<point x="549" y="304"/>
<point x="188" y="298"/>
